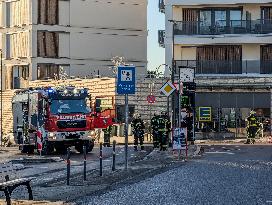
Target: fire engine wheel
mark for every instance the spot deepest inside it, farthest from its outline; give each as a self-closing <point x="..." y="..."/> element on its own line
<point x="60" y="148"/>
<point x="47" y="148"/>
<point x="88" y="145"/>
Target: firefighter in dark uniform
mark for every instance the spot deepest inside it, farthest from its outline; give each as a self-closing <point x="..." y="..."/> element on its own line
<point x="138" y="131"/>
<point x="107" y="133"/>
<point x="164" y="130"/>
<point x="252" y="127"/>
<point x="155" y="130"/>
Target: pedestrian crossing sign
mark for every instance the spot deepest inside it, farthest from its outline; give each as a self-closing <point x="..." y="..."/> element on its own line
<point x="168" y="88"/>
<point x="205" y="114"/>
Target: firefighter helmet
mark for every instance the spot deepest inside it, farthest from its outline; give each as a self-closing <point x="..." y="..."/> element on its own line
<point x="252" y="112"/>
<point x="137" y="116"/>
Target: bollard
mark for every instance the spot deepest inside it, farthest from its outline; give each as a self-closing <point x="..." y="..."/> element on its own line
<point x="68" y="166"/>
<point x="85" y="163"/>
<point x="113" y="155"/>
<point x="100" y="156"/>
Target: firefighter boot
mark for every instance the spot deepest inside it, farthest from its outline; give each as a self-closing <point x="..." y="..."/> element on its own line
<point x="155" y="140"/>
<point x="135" y="143"/>
<point x="142" y="142"/>
<point x="106" y="140"/>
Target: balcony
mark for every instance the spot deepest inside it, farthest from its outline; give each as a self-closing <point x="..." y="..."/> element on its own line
<point x="161" y="6"/>
<point x="228" y="66"/>
<point x="223" y="27"/>
<point x="161" y="36"/>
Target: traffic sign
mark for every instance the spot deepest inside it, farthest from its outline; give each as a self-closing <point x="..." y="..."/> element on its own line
<point x="151" y="99"/>
<point x="126" y="80"/>
<point x="205" y="114"/>
<point x="168" y="88"/>
<point x="179" y="138"/>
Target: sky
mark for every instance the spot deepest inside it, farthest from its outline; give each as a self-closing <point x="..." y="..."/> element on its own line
<point x="155" y="22"/>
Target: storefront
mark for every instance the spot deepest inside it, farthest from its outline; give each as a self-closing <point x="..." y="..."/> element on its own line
<point x="230" y="109"/>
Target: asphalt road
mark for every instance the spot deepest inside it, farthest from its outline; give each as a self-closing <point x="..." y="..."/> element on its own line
<point x="226" y="174"/>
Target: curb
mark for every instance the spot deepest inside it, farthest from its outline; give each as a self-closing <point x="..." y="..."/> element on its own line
<point x="36" y="160"/>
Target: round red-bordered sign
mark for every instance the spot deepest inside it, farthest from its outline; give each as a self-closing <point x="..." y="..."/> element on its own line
<point x="151" y="99"/>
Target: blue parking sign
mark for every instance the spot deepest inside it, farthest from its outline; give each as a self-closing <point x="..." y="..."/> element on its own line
<point x="126" y="80"/>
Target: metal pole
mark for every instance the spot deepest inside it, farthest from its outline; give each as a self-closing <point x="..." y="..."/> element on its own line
<point x="179" y="100"/>
<point x="150" y="93"/>
<point x="219" y="113"/>
<point x="236" y="118"/>
<point x="168" y="107"/>
<point x="173" y="76"/>
<point x="194" y="114"/>
<point x="270" y="112"/>
<point x="113" y="155"/>
<point x="126" y="133"/>
<point x="1" y="56"/>
<point x="100" y="159"/>
<point x="68" y="166"/>
<point x="85" y="163"/>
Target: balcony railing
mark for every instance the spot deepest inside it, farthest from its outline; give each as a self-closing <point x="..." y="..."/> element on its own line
<point x="228" y="66"/>
<point x="161" y="6"/>
<point x="161" y="36"/>
<point x="223" y="27"/>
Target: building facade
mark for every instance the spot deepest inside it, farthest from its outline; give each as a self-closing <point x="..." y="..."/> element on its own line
<point x="40" y="37"/>
<point x="229" y="44"/>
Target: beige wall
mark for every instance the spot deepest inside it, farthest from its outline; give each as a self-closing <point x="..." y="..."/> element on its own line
<point x="64" y="13"/>
<point x="254" y="10"/>
<point x="251" y="51"/>
<point x="177" y="13"/>
<point x="105" y="46"/>
<point x="188" y="53"/>
<point x="109" y="14"/>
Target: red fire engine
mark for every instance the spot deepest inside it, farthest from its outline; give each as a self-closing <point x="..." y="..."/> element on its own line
<point x="61" y="115"/>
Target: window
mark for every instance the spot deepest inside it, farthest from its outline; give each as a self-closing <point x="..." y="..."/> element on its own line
<point x="48" y="44"/>
<point x="235" y="17"/>
<point x="221" y="59"/>
<point x="48" y="12"/>
<point x="216" y="20"/>
<point x="68" y="106"/>
<point x="47" y="71"/>
<point x="266" y="59"/>
<point x="266" y="13"/>
<point x="220" y="18"/>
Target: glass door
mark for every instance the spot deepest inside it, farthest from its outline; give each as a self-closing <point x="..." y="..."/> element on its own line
<point x="205" y="18"/>
<point x="220" y="20"/>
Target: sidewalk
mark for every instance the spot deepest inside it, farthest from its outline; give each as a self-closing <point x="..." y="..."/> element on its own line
<point x="146" y="165"/>
<point x="121" y="140"/>
<point x="263" y="140"/>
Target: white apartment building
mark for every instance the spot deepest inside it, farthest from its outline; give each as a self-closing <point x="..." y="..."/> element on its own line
<point x="82" y="36"/>
<point x="229" y="43"/>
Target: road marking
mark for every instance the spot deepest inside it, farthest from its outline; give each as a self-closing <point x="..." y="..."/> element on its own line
<point x="270" y="201"/>
<point x="231" y="153"/>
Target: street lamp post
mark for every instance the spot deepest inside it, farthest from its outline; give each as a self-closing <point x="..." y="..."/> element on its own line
<point x="173" y="71"/>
